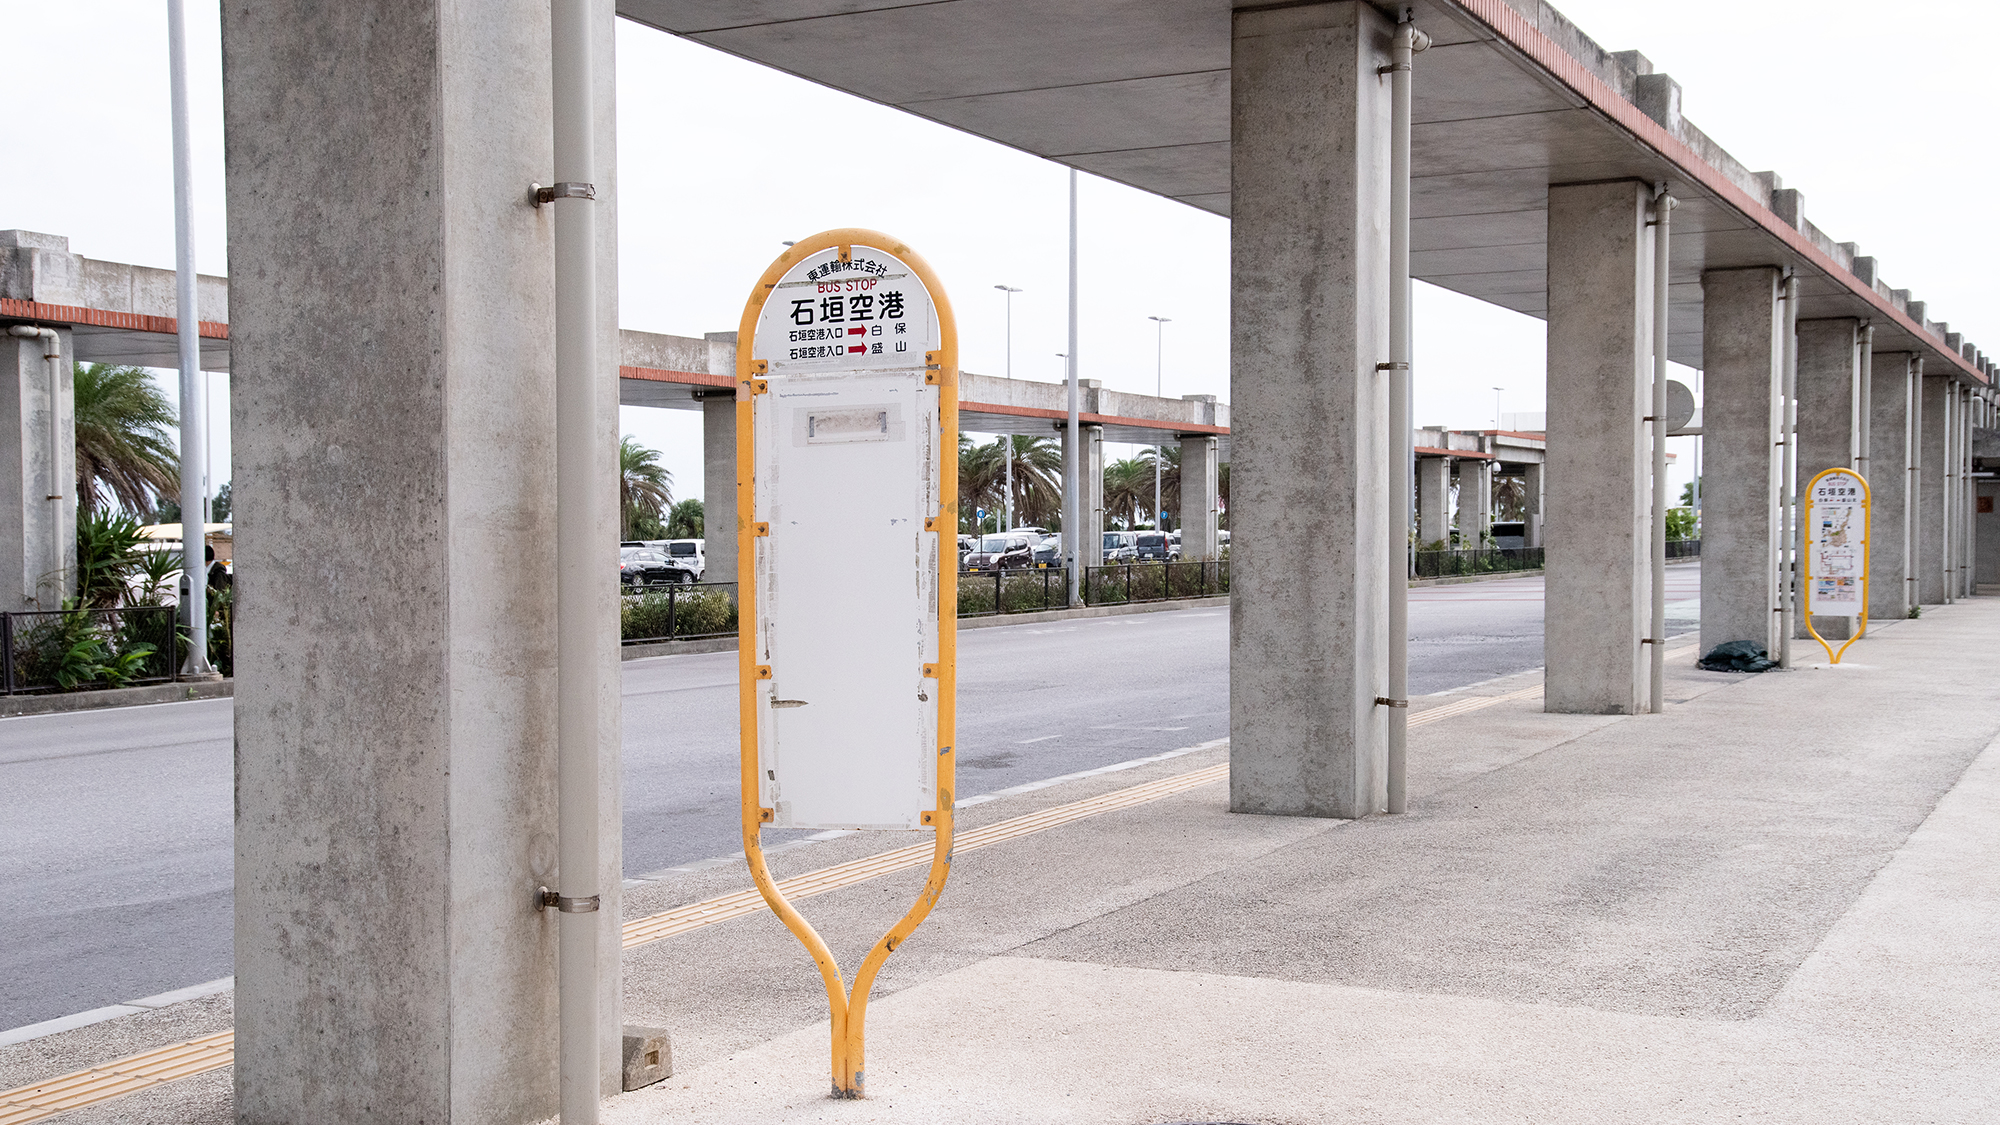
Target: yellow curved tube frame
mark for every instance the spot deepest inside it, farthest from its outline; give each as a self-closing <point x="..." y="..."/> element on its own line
<point x="848" y="1009"/>
<point x="1867" y="563"/>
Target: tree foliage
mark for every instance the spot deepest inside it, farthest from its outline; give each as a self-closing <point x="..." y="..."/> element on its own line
<point x="645" y="491"/>
<point x="123" y="451"/>
<point x="685" y="521"/>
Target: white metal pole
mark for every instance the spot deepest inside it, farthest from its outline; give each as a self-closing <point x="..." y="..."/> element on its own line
<point x="1864" y="402"/>
<point x="1694" y="492"/>
<point x="1159" y="391"/>
<point x="1073" y="470"/>
<point x="1913" y="436"/>
<point x="1663" y="209"/>
<point x="1402" y="466"/>
<point x="1788" y="521"/>
<point x="583" y="554"/>
<point x="1007" y="440"/>
<point x="194" y="406"/>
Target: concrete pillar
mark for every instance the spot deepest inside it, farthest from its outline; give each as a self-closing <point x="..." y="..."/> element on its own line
<point x="37" y="462"/>
<point x="1829" y="424"/>
<point x="718" y="485"/>
<point x="1888" y="487"/>
<point x="1986" y="534"/>
<point x="393" y="406"/>
<point x="1091" y="480"/>
<point x="1309" y="268"/>
<point x="1599" y="488"/>
<point x="1742" y="342"/>
<point x="1434" y="502"/>
<point x="1933" y="489"/>
<point x="1536" y="475"/>
<point x="1475" y="503"/>
<point x="1201" y="503"/>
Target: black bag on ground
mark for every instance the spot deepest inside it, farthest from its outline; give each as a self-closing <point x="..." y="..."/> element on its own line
<point x="1736" y="656"/>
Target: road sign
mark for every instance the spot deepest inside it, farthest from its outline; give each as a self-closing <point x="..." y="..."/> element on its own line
<point x="1837" y="528"/>
<point x="846" y="493"/>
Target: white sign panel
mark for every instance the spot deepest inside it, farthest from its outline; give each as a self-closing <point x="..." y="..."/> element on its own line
<point x="846" y="469"/>
<point x="1837" y="545"/>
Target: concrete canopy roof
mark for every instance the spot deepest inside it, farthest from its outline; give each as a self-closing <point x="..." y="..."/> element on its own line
<point x="1510" y="99"/>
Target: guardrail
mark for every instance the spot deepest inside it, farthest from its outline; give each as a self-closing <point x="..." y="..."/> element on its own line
<point x="54" y="650"/>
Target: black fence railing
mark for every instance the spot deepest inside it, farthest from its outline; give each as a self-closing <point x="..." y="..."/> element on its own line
<point x="56" y="650"/>
<point x="985" y="593"/>
<point x="682" y="611"/>
<point x="1153" y="582"/>
<point x="1492" y="560"/>
<point x="1683" y="548"/>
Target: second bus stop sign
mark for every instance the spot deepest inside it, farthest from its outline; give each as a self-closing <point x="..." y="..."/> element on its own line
<point x="847" y="533"/>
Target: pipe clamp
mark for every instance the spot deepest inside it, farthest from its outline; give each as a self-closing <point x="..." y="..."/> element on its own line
<point x="568" y="189"/>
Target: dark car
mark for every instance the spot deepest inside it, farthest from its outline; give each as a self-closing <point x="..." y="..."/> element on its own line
<point x="1048" y="554"/>
<point x="641" y="566"/>
<point x="1001" y="552"/>
<point x="1155" y="545"/>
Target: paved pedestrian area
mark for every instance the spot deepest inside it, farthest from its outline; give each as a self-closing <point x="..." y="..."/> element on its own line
<point x="1779" y="902"/>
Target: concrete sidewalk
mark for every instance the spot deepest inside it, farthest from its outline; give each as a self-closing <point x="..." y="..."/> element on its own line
<point x="1778" y="902"/>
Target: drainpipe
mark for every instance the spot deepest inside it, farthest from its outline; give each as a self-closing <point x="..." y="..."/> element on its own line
<point x="1073" y="471"/>
<point x="1402" y="465"/>
<point x="1788" y="439"/>
<point x="1949" y="493"/>
<point x="1864" y="404"/>
<point x="52" y="352"/>
<point x="581" y="553"/>
<point x="1663" y="207"/>
<point x="1913" y="436"/>
<point x="194" y="399"/>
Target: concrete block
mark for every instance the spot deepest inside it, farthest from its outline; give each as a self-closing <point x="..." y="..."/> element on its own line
<point x="648" y="1056"/>
<point x="1434" y="501"/>
<point x="718" y="486"/>
<point x="1789" y="204"/>
<point x="37" y="472"/>
<point x="1742" y="355"/>
<point x="1659" y="97"/>
<point x="1201" y="502"/>
<point x="1309" y="261"/>
<point x="1599" y="491"/>
<point x="1864" y="269"/>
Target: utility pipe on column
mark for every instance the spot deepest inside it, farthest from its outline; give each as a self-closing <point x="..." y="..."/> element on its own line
<point x="1402" y="466"/>
<point x="582" y="553"/>
<point x="1788" y="440"/>
<point x="1663" y="208"/>
<point x="1948" y="489"/>
<point x="1913" y="480"/>
<point x="1864" y="404"/>
<point x="194" y="400"/>
<point x="1073" y="470"/>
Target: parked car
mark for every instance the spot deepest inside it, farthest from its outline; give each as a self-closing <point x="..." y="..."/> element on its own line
<point x="642" y="566"/>
<point x="1119" y="547"/>
<point x="1048" y="554"/>
<point x="690" y="556"/>
<point x="1510" y="536"/>
<point x="1154" y="545"/>
<point x="1001" y="552"/>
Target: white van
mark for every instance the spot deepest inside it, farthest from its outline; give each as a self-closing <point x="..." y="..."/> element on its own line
<point x="687" y="554"/>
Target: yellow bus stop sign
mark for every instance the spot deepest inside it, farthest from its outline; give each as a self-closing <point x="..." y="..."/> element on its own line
<point x="1836" y="562"/>
<point x="847" y="569"/>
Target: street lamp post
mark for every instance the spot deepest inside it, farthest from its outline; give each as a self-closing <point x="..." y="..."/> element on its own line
<point x="1159" y="391"/>
<point x="1007" y="440"/>
<point x="1496" y="406"/>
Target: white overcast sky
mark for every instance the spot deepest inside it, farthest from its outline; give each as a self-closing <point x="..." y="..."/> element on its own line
<point x="1882" y="116"/>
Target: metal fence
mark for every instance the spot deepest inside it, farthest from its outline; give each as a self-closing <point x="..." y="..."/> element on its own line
<point x="77" y="649"/>
<point x="1153" y="582"/>
<point x="1683" y="548"/>
<point x="1493" y="560"/>
<point x="985" y="593"/>
<point x="681" y="611"/>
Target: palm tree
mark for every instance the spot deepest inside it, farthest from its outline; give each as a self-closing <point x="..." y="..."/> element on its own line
<point x="980" y="474"/>
<point x="1170" y="479"/>
<point x="123" y="452"/>
<point x="1128" y="485"/>
<point x="645" y="490"/>
<point x="1038" y="471"/>
<point x="685" y="520"/>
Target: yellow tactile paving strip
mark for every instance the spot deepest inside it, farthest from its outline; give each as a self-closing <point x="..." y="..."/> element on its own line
<point x="102" y="1083"/>
<point x="29" y="1104"/>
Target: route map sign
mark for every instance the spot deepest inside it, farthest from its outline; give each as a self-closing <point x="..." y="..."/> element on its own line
<point x="1837" y="528"/>
<point x="847" y="549"/>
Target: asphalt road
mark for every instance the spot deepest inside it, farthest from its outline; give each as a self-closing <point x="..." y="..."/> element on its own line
<point x="115" y="850"/>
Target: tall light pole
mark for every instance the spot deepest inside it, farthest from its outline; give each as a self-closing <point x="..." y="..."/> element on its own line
<point x="1073" y="516"/>
<point x="1496" y="406"/>
<point x="1007" y="440"/>
<point x="1159" y="391"/>
<point x="194" y="400"/>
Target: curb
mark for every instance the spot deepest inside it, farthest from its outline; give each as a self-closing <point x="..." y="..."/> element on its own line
<point x="63" y="702"/>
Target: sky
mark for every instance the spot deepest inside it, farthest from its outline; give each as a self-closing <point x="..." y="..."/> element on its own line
<point x="1880" y="116"/>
